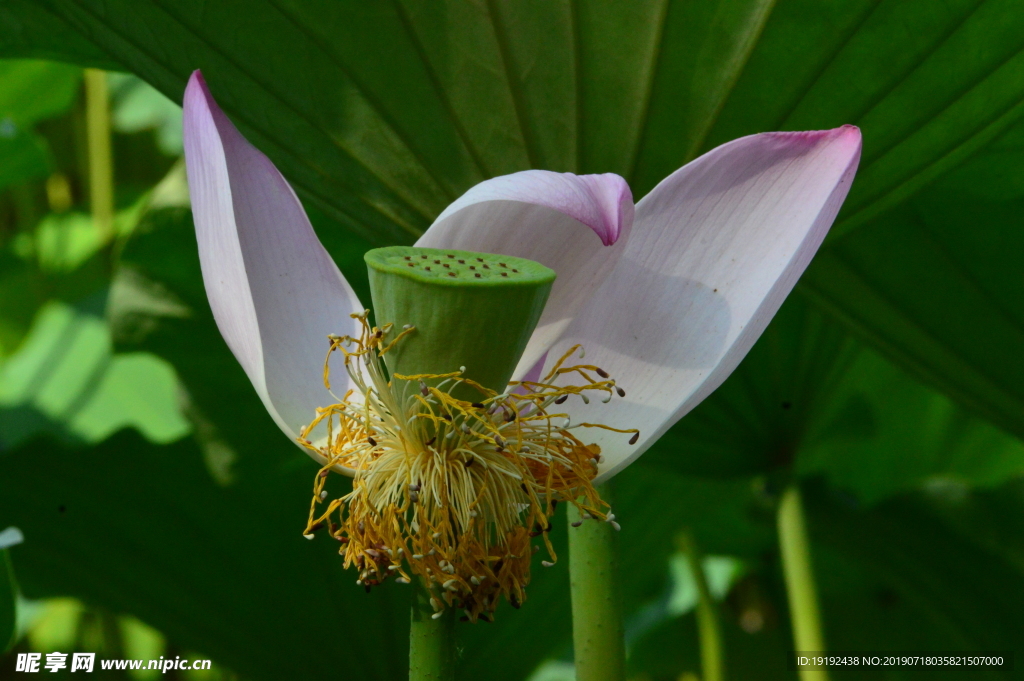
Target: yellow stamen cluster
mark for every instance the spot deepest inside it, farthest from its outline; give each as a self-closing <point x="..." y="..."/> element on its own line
<point x="449" y="490"/>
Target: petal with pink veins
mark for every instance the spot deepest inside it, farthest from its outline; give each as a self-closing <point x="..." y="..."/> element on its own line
<point x="716" y="248"/>
<point x="275" y="292"/>
<point x="575" y="224"/>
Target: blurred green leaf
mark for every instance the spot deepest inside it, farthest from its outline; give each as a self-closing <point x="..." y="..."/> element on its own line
<point x="891" y="434"/>
<point x="144" y="529"/>
<point x="66" y="381"/>
<point x="23" y="157"/>
<point x="137" y="106"/>
<point x="30" y="91"/>
<point x="33" y="90"/>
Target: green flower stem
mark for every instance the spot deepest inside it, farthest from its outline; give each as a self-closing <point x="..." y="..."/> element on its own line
<point x="799" y="574"/>
<point x="101" y="167"/>
<point x="597" y="632"/>
<point x="431" y="642"/>
<point x="712" y="660"/>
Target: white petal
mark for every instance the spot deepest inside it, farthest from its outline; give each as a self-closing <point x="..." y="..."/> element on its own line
<point x="12" y="536"/>
<point x="717" y="247"/>
<point x="275" y="292"/>
<point x="574" y="224"/>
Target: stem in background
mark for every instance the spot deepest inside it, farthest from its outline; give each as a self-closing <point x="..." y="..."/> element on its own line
<point x="799" y="574"/>
<point x="101" y="169"/>
<point x="431" y="641"/>
<point x="712" y="661"/>
<point x="597" y="631"/>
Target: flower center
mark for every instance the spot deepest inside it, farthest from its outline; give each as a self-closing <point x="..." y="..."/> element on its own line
<point x="450" y="490"/>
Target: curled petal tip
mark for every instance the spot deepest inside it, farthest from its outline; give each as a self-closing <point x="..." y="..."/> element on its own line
<point x="611" y="194"/>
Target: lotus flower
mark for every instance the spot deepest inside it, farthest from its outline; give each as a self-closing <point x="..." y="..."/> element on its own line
<point x="666" y="296"/>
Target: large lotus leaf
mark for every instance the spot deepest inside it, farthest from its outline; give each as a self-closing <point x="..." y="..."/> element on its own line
<point x="382" y="113"/>
<point x="935" y="284"/>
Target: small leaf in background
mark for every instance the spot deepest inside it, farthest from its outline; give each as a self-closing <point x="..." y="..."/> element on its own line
<point x="65" y="380"/>
<point x="137" y="107"/>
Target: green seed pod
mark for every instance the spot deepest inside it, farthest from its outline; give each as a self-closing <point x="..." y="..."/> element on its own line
<point x="472" y="310"/>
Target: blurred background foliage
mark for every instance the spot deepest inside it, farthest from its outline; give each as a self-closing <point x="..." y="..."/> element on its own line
<point x="151" y="486"/>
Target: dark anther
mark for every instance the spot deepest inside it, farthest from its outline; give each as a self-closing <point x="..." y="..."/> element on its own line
<point x="323" y="474"/>
<point x="602" y="373"/>
<point x="620" y="391"/>
<point x="514" y="602"/>
<point x="577" y="523"/>
<point x="447" y="417"/>
<point x="478" y="405"/>
<point x="561" y="399"/>
<point x="632" y="440"/>
<point x="316" y="527"/>
<point x="554" y="504"/>
<point x="468" y="462"/>
<point x="431" y="440"/>
<point x="373" y="443"/>
<point x="523" y="487"/>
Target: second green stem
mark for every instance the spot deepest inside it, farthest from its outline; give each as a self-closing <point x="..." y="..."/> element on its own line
<point x="799" y="573"/>
<point x="597" y="631"/>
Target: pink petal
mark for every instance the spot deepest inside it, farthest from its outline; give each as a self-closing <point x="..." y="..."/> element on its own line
<point x="275" y="292"/>
<point x="544" y="216"/>
<point x="717" y="247"/>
